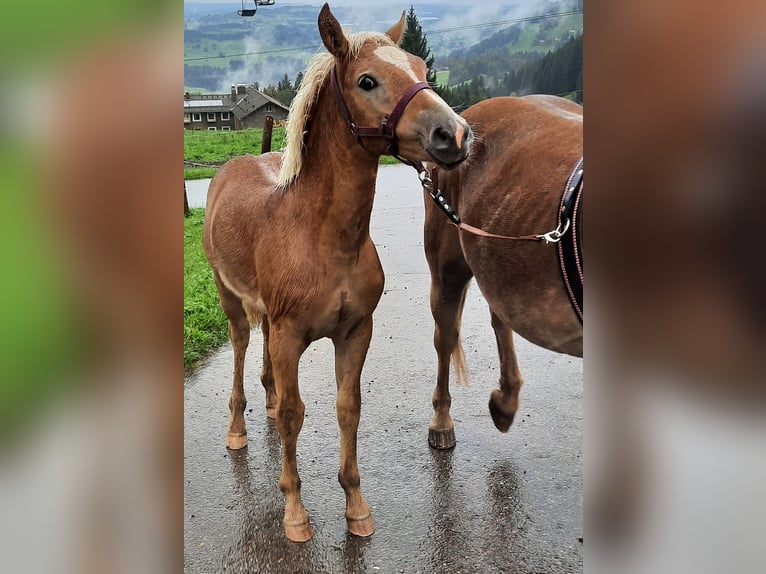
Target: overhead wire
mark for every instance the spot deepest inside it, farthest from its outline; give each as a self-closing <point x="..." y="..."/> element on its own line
<point x="314" y="47"/>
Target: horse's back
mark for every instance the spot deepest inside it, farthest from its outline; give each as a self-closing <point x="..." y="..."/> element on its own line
<point x="237" y="193"/>
<point x="244" y="178"/>
<point x="512" y="185"/>
<point x="548" y="125"/>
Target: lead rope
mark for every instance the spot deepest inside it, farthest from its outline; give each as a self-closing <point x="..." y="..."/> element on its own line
<point x="553" y="236"/>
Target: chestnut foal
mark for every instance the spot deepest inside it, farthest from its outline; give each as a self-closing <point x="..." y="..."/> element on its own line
<point x="287" y="235"/>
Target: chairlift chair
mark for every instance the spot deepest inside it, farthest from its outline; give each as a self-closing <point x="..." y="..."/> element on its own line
<point x="251" y="11"/>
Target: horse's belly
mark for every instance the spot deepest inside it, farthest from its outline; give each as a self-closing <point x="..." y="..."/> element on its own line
<point x="252" y="301"/>
<point x="541" y="314"/>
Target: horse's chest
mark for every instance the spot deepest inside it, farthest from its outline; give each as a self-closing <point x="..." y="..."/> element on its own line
<point x="351" y="296"/>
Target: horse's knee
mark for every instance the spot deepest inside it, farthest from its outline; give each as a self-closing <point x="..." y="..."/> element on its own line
<point x="290" y="416"/>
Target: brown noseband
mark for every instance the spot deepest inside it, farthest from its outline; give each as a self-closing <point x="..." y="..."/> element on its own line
<point x="387" y="130"/>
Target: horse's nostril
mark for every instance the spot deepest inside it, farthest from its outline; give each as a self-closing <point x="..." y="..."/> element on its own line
<point x="441" y="138"/>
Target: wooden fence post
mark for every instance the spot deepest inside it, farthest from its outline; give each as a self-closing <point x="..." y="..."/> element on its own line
<point x="268" y="125"/>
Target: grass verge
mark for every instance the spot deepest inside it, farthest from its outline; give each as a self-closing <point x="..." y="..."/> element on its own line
<point x="208" y="147"/>
<point x="205" y="325"/>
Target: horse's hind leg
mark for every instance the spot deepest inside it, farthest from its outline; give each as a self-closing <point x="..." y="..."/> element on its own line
<point x="239" y="331"/>
<point x="504" y="402"/>
<point x="350" y="352"/>
<point x="448" y="292"/>
<point x="267" y="372"/>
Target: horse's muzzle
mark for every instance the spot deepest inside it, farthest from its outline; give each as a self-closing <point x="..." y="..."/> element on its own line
<point x="449" y="145"/>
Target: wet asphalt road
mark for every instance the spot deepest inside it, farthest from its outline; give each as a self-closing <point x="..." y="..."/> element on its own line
<point x="495" y="503"/>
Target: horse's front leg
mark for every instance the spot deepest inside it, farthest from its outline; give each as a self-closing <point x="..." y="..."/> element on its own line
<point x="239" y="331"/>
<point x="504" y="402"/>
<point x="285" y="348"/>
<point x="350" y="352"/>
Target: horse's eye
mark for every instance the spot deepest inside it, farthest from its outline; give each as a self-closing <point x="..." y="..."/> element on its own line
<point x="367" y="83"/>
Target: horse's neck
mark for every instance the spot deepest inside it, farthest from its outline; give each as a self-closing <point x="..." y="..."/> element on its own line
<point x="338" y="175"/>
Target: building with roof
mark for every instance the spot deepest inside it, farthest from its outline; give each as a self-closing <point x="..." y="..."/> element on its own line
<point x="244" y="107"/>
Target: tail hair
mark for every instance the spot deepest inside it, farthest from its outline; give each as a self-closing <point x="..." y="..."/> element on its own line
<point x="458" y="356"/>
<point x="458" y="362"/>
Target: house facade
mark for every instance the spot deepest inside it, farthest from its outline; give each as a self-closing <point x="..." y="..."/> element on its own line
<point x="244" y="107"/>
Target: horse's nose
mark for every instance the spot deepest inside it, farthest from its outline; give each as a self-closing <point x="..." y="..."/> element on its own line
<point x="449" y="143"/>
<point x="442" y="138"/>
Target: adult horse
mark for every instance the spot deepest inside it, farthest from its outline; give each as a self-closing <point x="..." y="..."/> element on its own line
<point x="511" y="185"/>
<point x="287" y="236"/>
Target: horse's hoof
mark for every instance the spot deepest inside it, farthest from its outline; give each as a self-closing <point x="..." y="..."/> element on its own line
<point x="299" y="532"/>
<point x="502" y="420"/>
<point x="363" y="527"/>
<point x="441" y="439"/>
<point x="271" y="412"/>
<point x="236" y="441"/>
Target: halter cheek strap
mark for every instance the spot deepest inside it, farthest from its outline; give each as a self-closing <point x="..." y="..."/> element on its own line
<point x="386" y="131"/>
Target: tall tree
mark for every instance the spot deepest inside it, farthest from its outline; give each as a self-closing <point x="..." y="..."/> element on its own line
<point x="415" y="42"/>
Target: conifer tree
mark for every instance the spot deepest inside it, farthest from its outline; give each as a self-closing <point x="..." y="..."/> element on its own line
<point x="415" y="42"/>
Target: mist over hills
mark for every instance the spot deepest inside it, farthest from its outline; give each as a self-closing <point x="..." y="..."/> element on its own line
<point x="222" y="48"/>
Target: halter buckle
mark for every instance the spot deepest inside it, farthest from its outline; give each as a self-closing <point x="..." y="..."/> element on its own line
<point x="426" y="181"/>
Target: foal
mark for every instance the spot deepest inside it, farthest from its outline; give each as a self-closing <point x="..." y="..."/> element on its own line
<point x="287" y="236"/>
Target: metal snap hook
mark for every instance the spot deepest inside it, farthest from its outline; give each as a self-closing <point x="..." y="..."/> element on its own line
<point x="555" y="235"/>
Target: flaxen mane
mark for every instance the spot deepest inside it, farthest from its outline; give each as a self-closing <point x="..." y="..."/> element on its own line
<point x="317" y="72"/>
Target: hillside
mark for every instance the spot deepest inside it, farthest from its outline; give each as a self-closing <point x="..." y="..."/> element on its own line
<point x="222" y="48"/>
<point x="512" y="47"/>
<point x="558" y="73"/>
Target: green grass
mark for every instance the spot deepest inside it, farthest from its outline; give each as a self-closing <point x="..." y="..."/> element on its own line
<point x="205" y="325"/>
<point x="442" y="78"/>
<point x="202" y="146"/>
<point x="527" y="41"/>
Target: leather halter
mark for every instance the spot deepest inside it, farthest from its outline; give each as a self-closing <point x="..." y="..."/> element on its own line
<point x="387" y="130"/>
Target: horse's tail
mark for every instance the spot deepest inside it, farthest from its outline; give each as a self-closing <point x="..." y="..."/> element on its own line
<point x="458" y="361"/>
<point x="458" y="355"/>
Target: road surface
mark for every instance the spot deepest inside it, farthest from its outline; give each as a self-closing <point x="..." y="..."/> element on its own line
<point x="496" y="503"/>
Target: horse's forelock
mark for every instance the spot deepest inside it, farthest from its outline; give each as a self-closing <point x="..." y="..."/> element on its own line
<point x="300" y="110"/>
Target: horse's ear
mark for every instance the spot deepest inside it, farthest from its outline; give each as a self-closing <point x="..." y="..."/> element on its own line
<point x="332" y="33"/>
<point x="395" y="32"/>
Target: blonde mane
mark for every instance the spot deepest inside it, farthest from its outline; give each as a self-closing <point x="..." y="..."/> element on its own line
<point x="300" y="110"/>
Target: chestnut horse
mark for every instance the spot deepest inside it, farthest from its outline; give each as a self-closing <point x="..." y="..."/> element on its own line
<point x="287" y="236"/>
<point x="511" y="185"/>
